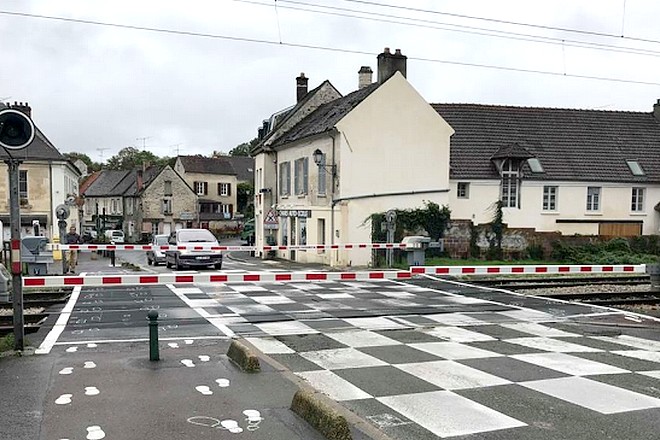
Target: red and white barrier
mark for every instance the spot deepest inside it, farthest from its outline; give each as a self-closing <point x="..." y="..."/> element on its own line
<point x="148" y="247"/>
<point x="527" y="269"/>
<point x="212" y="277"/>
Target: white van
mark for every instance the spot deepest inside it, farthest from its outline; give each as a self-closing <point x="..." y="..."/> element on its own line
<point x="115" y="235"/>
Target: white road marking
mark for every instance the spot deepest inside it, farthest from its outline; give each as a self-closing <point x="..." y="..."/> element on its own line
<point x="333" y="386"/>
<point x="95" y="433"/>
<point x="632" y="341"/>
<point x="64" y="399"/>
<point x="201" y="312"/>
<point x="451" y="375"/>
<point x="457" y="319"/>
<point x="54" y="334"/>
<point x="457" y="334"/>
<point x="453" y="350"/>
<point x="286" y="328"/>
<point x="92" y="391"/>
<point x="549" y="344"/>
<point x="270" y="346"/>
<point x="362" y="338"/>
<point x="597" y="396"/>
<point x="446" y="414"/>
<point x="222" y="383"/>
<point x="568" y="364"/>
<point x="375" y="323"/>
<point x="538" y="330"/>
<point x="340" y="358"/>
<point x="652" y="356"/>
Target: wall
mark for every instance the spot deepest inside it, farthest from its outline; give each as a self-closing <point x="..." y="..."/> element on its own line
<point x="571" y="204"/>
<point x="184" y="203"/>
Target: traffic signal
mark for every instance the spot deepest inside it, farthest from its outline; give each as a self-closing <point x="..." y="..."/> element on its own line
<point x="16" y="129"/>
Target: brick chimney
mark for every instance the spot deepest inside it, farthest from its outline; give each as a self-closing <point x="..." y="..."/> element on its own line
<point x="656" y="110"/>
<point x="139" y="180"/>
<point x="364" y="76"/>
<point x="389" y="64"/>
<point x="22" y="107"/>
<point x="301" y="86"/>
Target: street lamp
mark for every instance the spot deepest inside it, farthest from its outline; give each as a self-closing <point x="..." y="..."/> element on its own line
<point x="319" y="160"/>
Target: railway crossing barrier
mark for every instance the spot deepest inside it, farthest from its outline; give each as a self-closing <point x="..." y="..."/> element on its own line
<point x="224" y="277"/>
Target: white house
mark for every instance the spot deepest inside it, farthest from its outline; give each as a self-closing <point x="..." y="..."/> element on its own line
<point x="380" y="147"/>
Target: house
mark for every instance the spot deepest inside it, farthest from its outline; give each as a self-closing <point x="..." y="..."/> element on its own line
<point x="244" y="167"/>
<point x="140" y="202"/>
<point x="589" y="172"/>
<point x="325" y="165"/>
<point x="214" y="181"/>
<point x="46" y="180"/>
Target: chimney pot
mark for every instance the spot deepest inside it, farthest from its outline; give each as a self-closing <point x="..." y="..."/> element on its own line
<point x="23" y="107"/>
<point x="656" y="110"/>
<point x="389" y="64"/>
<point x="301" y="86"/>
<point x="364" y="76"/>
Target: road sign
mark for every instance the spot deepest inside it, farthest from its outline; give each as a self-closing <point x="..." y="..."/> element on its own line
<point x="62" y="212"/>
<point x="16" y="129"/>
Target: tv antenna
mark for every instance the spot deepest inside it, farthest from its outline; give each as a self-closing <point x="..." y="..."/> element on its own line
<point x="144" y="141"/>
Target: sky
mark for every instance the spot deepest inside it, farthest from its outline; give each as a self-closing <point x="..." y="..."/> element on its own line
<point x="199" y="76"/>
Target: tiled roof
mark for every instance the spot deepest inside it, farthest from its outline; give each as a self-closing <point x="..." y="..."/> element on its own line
<point x="586" y="145"/>
<point x="207" y="165"/>
<point x="40" y="148"/>
<point x="244" y="167"/>
<point x="326" y="116"/>
<point x="107" y="184"/>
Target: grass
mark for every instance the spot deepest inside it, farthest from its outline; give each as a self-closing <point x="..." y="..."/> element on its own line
<point x="7" y="343"/>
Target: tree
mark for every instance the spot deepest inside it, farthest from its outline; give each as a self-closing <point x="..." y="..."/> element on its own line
<point x="244" y="193"/>
<point x="130" y="158"/>
<point x="91" y="165"/>
<point x="242" y="149"/>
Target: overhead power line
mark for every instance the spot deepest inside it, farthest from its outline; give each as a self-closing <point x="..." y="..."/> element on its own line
<point x="314" y="47"/>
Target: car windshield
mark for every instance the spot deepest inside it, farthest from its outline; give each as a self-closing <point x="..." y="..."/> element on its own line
<point x="196" y="236"/>
<point x="161" y="240"/>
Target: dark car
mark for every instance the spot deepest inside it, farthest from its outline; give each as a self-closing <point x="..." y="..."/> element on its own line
<point x="181" y="258"/>
<point x="156" y="256"/>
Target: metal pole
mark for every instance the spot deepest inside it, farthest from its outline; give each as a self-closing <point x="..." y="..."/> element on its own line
<point x="16" y="267"/>
<point x="154" y="354"/>
<point x="61" y="224"/>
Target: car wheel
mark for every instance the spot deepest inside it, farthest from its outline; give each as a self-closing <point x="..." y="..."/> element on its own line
<point x="218" y="266"/>
<point x="178" y="265"/>
<point x="149" y="261"/>
<point x="168" y="264"/>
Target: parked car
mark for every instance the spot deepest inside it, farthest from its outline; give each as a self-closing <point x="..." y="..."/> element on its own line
<point x="115" y="235"/>
<point x="181" y="258"/>
<point x="156" y="256"/>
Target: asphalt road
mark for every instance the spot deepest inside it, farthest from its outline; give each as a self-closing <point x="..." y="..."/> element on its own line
<point x="424" y="359"/>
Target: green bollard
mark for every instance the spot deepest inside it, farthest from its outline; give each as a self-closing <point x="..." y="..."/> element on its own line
<point x="153" y="335"/>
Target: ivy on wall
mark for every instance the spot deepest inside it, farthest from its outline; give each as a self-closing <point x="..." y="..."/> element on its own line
<point x="432" y="218"/>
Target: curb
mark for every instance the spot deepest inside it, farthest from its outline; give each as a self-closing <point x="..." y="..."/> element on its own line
<point x="242" y="356"/>
<point x="323" y="417"/>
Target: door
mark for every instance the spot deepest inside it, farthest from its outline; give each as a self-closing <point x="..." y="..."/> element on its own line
<point x="620" y="229"/>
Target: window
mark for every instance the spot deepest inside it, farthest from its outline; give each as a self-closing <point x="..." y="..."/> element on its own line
<point x="510" y="184"/>
<point x="463" y="190"/>
<point x="322" y="184"/>
<point x="201" y="188"/>
<point x="224" y="189"/>
<point x="167" y="206"/>
<point x="535" y="165"/>
<point x="302" y="224"/>
<point x="550" y="198"/>
<point x="301" y="178"/>
<point x="22" y="184"/>
<point x="285" y="178"/>
<point x="593" y="198"/>
<point x="114" y="206"/>
<point x="635" y="168"/>
<point x="168" y="188"/>
<point x="227" y="210"/>
<point x="637" y="203"/>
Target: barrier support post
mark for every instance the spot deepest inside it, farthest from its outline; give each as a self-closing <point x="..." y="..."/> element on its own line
<point x="154" y="355"/>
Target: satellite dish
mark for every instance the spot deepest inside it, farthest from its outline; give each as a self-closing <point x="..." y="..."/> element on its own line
<point x="16" y="129"/>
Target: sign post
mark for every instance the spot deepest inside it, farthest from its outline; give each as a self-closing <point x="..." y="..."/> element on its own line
<point x="16" y="133"/>
<point x="390" y="218"/>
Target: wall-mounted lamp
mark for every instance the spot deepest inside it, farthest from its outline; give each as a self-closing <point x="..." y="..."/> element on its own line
<point x="319" y="160"/>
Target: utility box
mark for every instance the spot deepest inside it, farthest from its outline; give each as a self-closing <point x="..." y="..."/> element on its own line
<point x="5" y="284"/>
<point x="415" y="249"/>
<point x="35" y="255"/>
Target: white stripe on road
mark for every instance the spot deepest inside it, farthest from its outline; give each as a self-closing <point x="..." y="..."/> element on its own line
<point x="201" y="312"/>
<point x="54" y="334"/>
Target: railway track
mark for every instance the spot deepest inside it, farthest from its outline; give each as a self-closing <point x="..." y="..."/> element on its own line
<point x="535" y="282"/>
<point x="35" y="306"/>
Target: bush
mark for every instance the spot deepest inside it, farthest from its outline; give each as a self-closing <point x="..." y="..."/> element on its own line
<point x="615" y="251"/>
<point x="535" y="251"/>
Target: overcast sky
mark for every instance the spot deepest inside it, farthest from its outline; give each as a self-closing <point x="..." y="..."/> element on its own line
<point x="223" y="66"/>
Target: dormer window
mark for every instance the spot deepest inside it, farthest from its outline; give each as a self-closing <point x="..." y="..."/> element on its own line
<point x="635" y="168"/>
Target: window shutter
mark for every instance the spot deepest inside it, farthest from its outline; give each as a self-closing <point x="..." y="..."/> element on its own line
<point x="229" y="189"/>
<point x="305" y="175"/>
<point x="231" y="211"/>
<point x="206" y="188"/>
<point x="219" y="189"/>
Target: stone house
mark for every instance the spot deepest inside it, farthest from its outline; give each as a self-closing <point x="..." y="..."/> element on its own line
<point x="214" y="181"/>
<point x="139" y="202"/>
<point x="46" y="180"/>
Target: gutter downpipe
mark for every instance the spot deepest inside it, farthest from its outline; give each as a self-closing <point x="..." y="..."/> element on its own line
<point x="52" y="211"/>
<point x="335" y="175"/>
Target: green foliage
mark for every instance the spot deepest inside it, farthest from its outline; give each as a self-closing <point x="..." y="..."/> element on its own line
<point x="130" y="158"/>
<point x="244" y="193"/>
<point x="475" y="252"/>
<point x="615" y="251"/>
<point x="7" y="343"/>
<point x="535" y="251"/>
<point x="432" y="218"/>
<point x="91" y="165"/>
